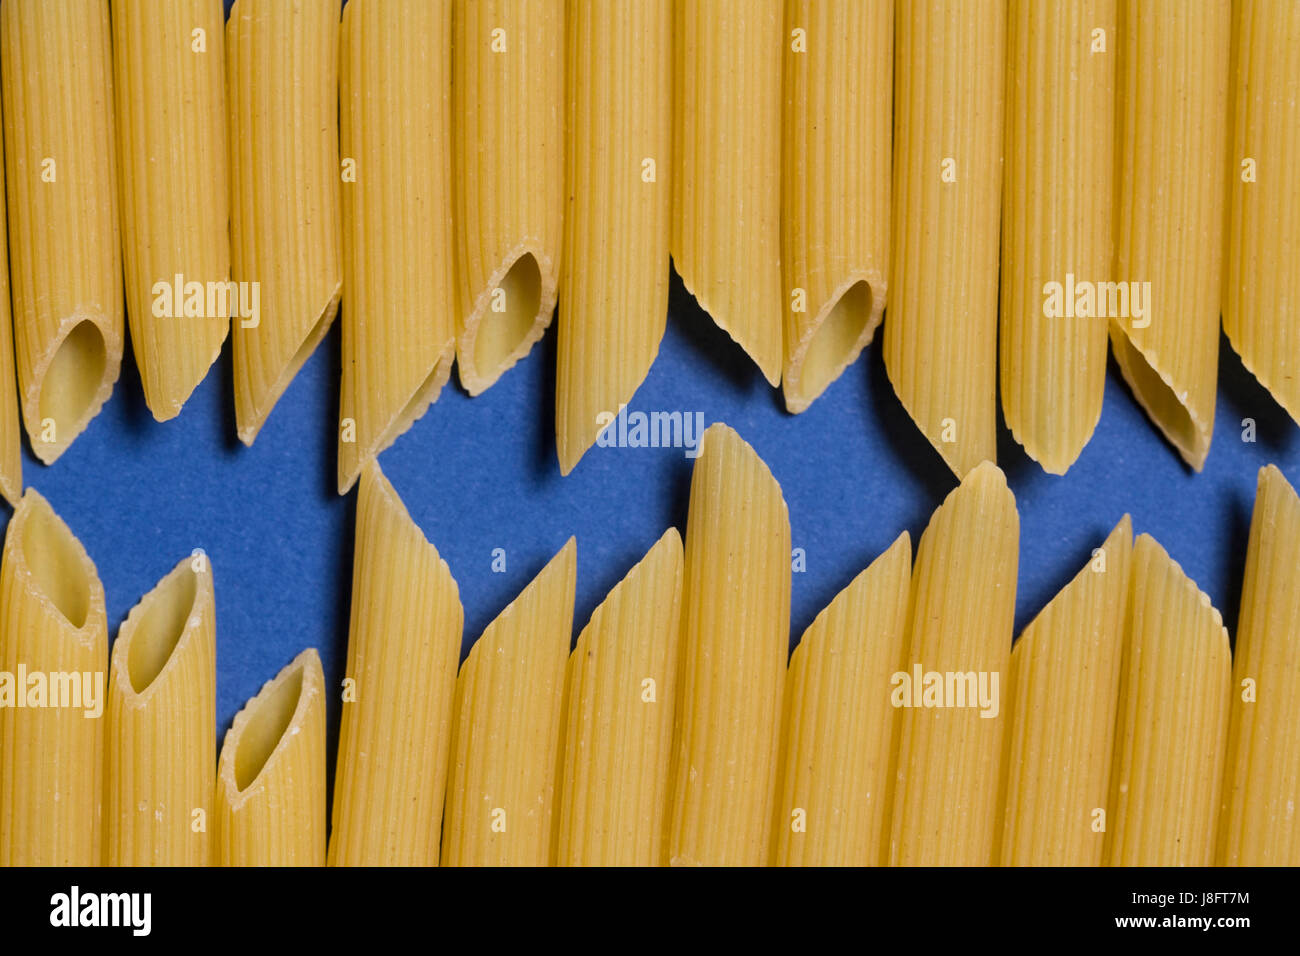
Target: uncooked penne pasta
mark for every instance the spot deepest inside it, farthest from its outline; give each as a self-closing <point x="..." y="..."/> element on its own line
<point x="285" y="234"/>
<point x="1172" y="723"/>
<point x="1172" y="141"/>
<point x="962" y="609"/>
<point x="56" y="70"/>
<point x="162" y="734"/>
<point x="403" y="649"/>
<point x="726" y="240"/>
<point x="1061" y="698"/>
<point x="170" y="81"/>
<point x="399" y="330"/>
<point x="506" y="736"/>
<point x="507" y="98"/>
<point x="618" y="172"/>
<point x="1261" y="292"/>
<point x="1261" y="786"/>
<point x="735" y="640"/>
<point x="53" y="658"/>
<point x="1057" y="223"/>
<point x="839" y="75"/>
<point x="622" y="690"/>
<point x="840" y="727"/>
<point x="270" y="801"/>
<point x="11" y="437"/>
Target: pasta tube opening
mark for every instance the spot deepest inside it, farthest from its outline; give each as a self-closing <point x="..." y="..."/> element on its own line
<point x="56" y="562"/>
<point x="270" y="715"/>
<point x="838" y="339"/>
<point x="1167" y="407"/>
<point x="502" y="335"/>
<point x="164" y="617"/>
<point x="72" y="388"/>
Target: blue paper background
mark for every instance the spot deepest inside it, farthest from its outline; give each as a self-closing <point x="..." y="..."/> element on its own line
<point x="479" y="474"/>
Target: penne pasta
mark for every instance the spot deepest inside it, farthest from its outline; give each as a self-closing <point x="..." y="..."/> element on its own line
<point x="399" y="335"/>
<point x="162" y="700"/>
<point x="726" y="240"/>
<point x="56" y="71"/>
<point x="1173" y="134"/>
<point x="53" y="658"/>
<point x="1057" y="222"/>
<point x="282" y="79"/>
<point x="1061" y="698"/>
<point x="1261" y="293"/>
<point x="507" y="108"/>
<point x="840" y="728"/>
<point x="403" y="648"/>
<point x="735" y="638"/>
<point x="1172" y="722"/>
<point x="1257" y="824"/>
<point x="170" y="80"/>
<point x="615" y="261"/>
<point x="270" y="802"/>
<point x="622" y="694"/>
<point x="835" y="189"/>
<point x="11" y="437"/>
<point x="962" y="607"/>
<point x="505" y="741"/>
<point x="941" y="338"/>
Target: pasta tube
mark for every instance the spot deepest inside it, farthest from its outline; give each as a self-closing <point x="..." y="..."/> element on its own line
<point x="506" y="736"/>
<point x="11" y="438"/>
<point x="271" y="775"/>
<point x="840" y="730"/>
<point x="622" y="690"/>
<point x="1173" y="134"/>
<point x="170" y="80"/>
<point x="615" y="262"/>
<point x="1257" y="825"/>
<point x="1172" y="722"/>
<point x="53" y="657"/>
<point x="726" y="240"/>
<point x="282" y="78"/>
<point x="507" y="107"/>
<point x="56" y="71"/>
<point x="399" y="335"/>
<point x="1057" y="222"/>
<point x="735" y="638"/>
<point x="162" y="734"/>
<point x="941" y="338"/>
<point x="1261" y="294"/>
<point x="1061" y="698"/>
<point x="835" y="186"/>
<point x="962" y="609"/>
<point x="403" y="649"/>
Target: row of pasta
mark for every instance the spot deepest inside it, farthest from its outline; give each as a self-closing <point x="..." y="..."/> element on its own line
<point x="905" y="729"/>
<point x="1119" y="169"/>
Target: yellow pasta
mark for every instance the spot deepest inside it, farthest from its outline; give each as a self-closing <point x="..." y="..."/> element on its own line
<point x="1172" y="721"/>
<point x="285" y="173"/>
<point x="726" y="239"/>
<point x="162" y="734"/>
<point x="1173" y="136"/>
<point x="507" y="98"/>
<point x="962" y="608"/>
<point x="941" y="338"/>
<point x="840" y="729"/>
<point x="270" y="801"/>
<point x="835" y="186"/>
<point x="403" y="648"/>
<point x="622" y="690"/>
<point x="1261" y="788"/>
<point x="53" y="658"/>
<point x="506" y="735"/>
<point x="57" y="75"/>
<point x="1261" y="294"/>
<point x="618" y="171"/>
<point x="399" y="335"/>
<point x="170" y="80"/>
<point x="1057" y="223"/>
<point x="735" y="638"/>
<point x="1061" y="698"/>
<point x="11" y="438"/>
